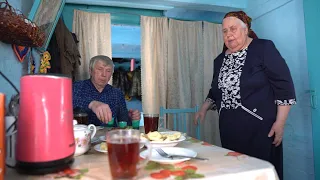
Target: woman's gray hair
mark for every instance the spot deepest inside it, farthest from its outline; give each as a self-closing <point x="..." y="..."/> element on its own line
<point x="239" y="21"/>
<point x="242" y="23"/>
<point x="105" y="59"/>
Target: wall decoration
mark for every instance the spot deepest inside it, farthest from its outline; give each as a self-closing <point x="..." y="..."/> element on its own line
<point x="46" y="13"/>
<point x="20" y="51"/>
<point x="45" y="64"/>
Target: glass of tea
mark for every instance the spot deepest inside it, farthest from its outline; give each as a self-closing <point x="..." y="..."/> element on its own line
<point x="81" y="116"/>
<point x="123" y="153"/>
<point x="151" y="122"/>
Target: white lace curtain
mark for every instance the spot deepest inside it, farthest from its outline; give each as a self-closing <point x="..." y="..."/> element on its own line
<point x="213" y="45"/>
<point x="185" y="69"/>
<point x="154" y="59"/>
<point x="93" y="31"/>
<point x="181" y="70"/>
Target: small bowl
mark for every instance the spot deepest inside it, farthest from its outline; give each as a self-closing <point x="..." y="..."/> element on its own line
<point x="122" y="124"/>
<point x="136" y="124"/>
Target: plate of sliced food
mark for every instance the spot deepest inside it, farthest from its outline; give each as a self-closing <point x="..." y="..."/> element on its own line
<point x="163" y="139"/>
<point x="102" y="147"/>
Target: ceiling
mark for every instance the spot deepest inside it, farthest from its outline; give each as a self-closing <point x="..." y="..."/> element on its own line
<point x="199" y="5"/>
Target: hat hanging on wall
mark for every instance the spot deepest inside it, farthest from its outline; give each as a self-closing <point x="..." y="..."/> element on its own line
<point x="20" y="51"/>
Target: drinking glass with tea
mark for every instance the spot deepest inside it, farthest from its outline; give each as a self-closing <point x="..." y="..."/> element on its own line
<point x="81" y="116"/>
<point x="151" y="122"/>
<point x="123" y="153"/>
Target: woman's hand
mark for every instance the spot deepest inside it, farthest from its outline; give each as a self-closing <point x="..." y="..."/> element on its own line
<point x="277" y="130"/>
<point x="199" y="115"/>
<point x="278" y="126"/>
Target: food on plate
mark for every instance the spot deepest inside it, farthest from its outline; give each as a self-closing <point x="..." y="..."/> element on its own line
<point x="156" y="136"/>
<point x="103" y="146"/>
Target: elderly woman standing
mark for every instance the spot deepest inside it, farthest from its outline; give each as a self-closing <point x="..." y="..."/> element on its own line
<point x="252" y="90"/>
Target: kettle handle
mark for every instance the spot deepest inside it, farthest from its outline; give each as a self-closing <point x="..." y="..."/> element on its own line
<point x="2" y="137"/>
<point x="94" y="130"/>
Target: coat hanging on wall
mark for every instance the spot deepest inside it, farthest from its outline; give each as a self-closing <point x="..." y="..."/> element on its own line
<point x="64" y="50"/>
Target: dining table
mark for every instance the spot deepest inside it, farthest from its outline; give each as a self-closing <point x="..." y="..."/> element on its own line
<point x="222" y="164"/>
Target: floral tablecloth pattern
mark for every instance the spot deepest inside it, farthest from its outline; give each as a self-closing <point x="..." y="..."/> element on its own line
<point x="223" y="164"/>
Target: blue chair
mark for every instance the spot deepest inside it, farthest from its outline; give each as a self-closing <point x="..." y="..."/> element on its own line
<point x="180" y="115"/>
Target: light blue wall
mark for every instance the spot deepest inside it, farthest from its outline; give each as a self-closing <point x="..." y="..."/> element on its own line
<point x="9" y="64"/>
<point x="311" y="15"/>
<point x="126" y="41"/>
<point x="283" y="22"/>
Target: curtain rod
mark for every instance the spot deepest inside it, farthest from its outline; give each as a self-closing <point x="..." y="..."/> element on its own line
<point x="98" y="11"/>
<point x="180" y="19"/>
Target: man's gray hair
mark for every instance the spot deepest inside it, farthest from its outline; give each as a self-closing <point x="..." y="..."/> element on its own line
<point x="105" y="59"/>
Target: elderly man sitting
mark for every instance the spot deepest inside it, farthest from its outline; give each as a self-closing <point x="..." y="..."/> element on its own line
<point x="100" y="100"/>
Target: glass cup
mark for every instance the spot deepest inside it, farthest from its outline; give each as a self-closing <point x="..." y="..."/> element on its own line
<point x="81" y="117"/>
<point x="123" y="124"/>
<point x="123" y="153"/>
<point x="151" y="122"/>
<point x="136" y="124"/>
<point x="110" y="123"/>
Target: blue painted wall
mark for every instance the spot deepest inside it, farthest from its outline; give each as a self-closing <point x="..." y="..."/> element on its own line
<point x="311" y="15"/>
<point x="126" y="41"/>
<point x="283" y="22"/>
<point x="9" y="64"/>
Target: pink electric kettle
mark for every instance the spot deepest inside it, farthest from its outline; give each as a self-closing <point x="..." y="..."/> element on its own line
<point x="45" y="140"/>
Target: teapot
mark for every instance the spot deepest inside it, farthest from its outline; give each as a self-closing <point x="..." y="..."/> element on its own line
<point x="83" y="135"/>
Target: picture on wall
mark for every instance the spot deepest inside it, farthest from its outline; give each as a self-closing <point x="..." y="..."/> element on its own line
<point x="46" y="13"/>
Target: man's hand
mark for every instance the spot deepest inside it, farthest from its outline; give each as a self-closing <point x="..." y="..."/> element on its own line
<point x="102" y="111"/>
<point x="277" y="130"/>
<point x="134" y="114"/>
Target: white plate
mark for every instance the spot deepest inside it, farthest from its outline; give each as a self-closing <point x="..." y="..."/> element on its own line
<point x="160" y="144"/>
<point x="172" y="151"/>
<point x="97" y="148"/>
